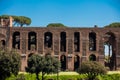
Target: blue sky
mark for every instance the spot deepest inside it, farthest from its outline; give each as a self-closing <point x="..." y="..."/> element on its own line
<point x="72" y="13"/>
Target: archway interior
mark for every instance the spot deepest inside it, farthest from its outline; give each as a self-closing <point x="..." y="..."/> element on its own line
<point x="76" y="62"/>
<point x="32" y="41"/>
<point x="63" y="62"/>
<point x="92" y="41"/>
<point x="63" y="41"/>
<point x="76" y="42"/>
<point x="16" y="40"/>
<point x="48" y="39"/>
<point x="109" y="50"/>
<point x="92" y="57"/>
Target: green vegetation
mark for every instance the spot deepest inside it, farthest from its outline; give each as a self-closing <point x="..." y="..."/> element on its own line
<point x="56" y="25"/>
<point x="92" y="69"/>
<point x="113" y="25"/>
<point x="44" y="64"/>
<point x="9" y="63"/>
<point x="64" y="77"/>
<point x="18" y="20"/>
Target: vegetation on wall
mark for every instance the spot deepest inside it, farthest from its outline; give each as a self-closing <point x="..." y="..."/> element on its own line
<point x="56" y="25"/>
<point x="113" y="25"/>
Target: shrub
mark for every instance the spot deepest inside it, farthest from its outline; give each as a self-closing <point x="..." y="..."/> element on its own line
<point x="92" y="69"/>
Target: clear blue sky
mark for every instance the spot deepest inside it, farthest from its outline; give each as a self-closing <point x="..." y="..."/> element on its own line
<point x="73" y="13"/>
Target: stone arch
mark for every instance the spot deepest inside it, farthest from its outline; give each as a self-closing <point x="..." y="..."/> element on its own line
<point x="48" y="39"/>
<point x="110" y="50"/>
<point x="2" y="43"/>
<point x="92" y="57"/>
<point x="63" y="41"/>
<point x="76" y="62"/>
<point x="63" y="62"/>
<point x="16" y="40"/>
<point x="76" y="41"/>
<point x="92" y="41"/>
<point x="32" y="41"/>
<point x="30" y="55"/>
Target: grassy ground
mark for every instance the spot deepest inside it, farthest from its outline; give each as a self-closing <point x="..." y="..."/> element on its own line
<point x="75" y="73"/>
<point x="113" y="72"/>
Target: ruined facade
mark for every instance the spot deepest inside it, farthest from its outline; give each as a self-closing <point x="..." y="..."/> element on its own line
<point x="71" y="46"/>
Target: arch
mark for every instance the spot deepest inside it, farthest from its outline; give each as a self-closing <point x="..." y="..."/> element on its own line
<point x="32" y="40"/>
<point x="92" y="41"/>
<point x="63" y="41"/>
<point x="16" y="40"/>
<point x="2" y="43"/>
<point x="76" y="41"/>
<point x="48" y="39"/>
<point x="30" y="55"/>
<point x="63" y="62"/>
<point x="92" y="57"/>
<point x="76" y="62"/>
<point x="110" y="50"/>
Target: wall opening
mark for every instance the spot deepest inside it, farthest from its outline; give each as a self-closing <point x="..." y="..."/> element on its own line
<point x="109" y="50"/>
<point x="48" y="39"/>
<point x="76" y="62"/>
<point x="92" y="41"/>
<point x="63" y="62"/>
<point x="76" y="42"/>
<point x="32" y="41"/>
<point x="16" y="40"/>
<point x="63" y="42"/>
<point x="92" y="57"/>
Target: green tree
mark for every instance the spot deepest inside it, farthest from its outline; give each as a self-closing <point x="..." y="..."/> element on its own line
<point x="92" y="69"/>
<point x="43" y="64"/>
<point x="113" y="25"/>
<point x="18" y="20"/>
<point x="9" y="63"/>
<point x="56" y="25"/>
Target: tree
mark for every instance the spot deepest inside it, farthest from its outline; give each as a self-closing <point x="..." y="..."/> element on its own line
<point x="9" y="63"/>
<point x="43" y="64"/>
<point x="92" y="69"/>
<point x="113" y="25"/>
<point x="18" y="20"/>
<point x="56" y="25"/>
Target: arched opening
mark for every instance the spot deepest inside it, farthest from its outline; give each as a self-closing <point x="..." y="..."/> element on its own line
<point x="92" y="41"/>
<point x="30" y="54"/>
<point x="32" y="41"/>
<point x="109" y="50"/>
<point x="63" y="41"/>
<point x="92" y="57"/>
<point x="63" y="62"/>
<point x="16" y="40"/>
<point x="76" y="42"/>
<point x="48" y="39"/>
<point x="3" y="42"/>
<point x="76" y="62"/>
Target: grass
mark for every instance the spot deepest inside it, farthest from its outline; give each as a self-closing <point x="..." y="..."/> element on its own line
<point x="75" y="73"/>
<point x="113" y="72"/>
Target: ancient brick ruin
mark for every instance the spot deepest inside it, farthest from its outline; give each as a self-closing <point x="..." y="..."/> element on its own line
<point x="71" y="46"/>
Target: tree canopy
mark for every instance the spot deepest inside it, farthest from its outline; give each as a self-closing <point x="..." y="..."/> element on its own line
<point x="113" y="25"/>
<point x="18" y="20"/>
<point x="92" y="69"/>
<point x="43" y="64"/>
<point x="56" y="25"/>
<point x="9" y="63"/>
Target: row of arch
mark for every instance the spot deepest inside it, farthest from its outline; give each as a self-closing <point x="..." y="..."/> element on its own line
<point x="48" y="41"/>
<point x="77" y="61"/>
